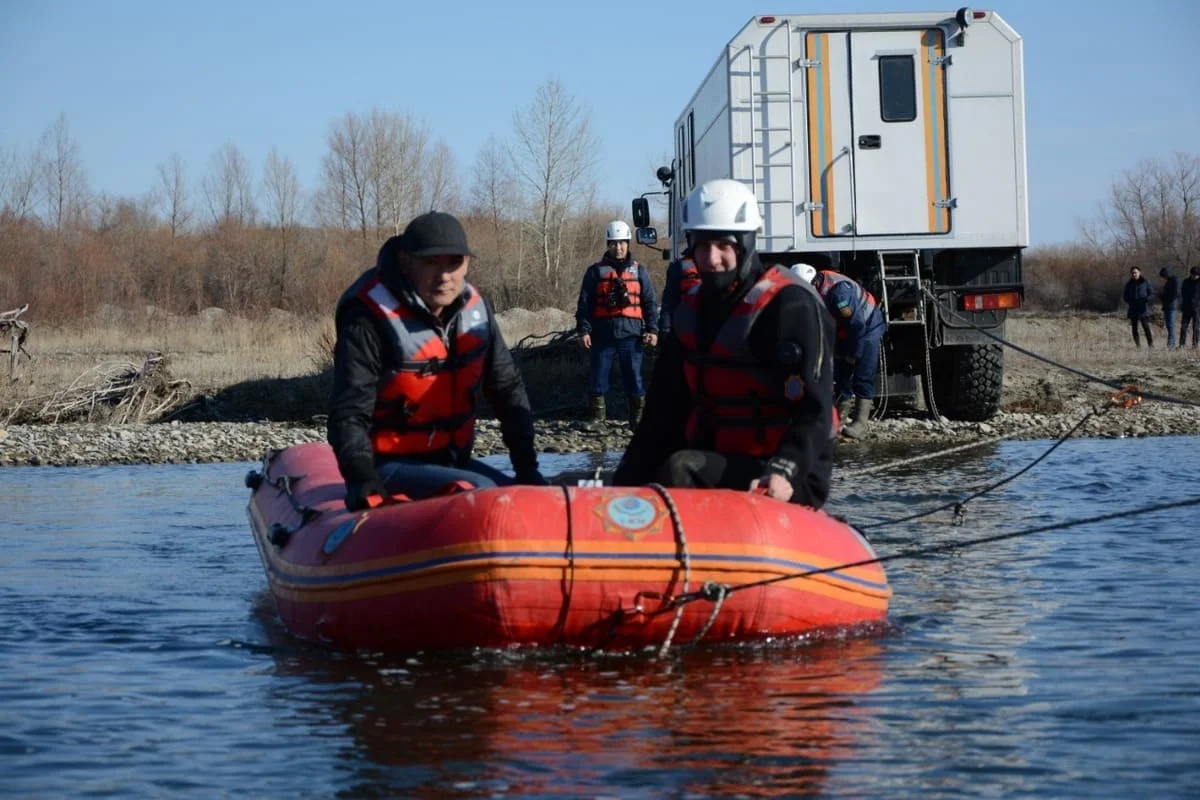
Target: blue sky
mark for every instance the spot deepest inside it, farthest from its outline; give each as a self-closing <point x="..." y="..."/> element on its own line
<point x="1107" y="83"/>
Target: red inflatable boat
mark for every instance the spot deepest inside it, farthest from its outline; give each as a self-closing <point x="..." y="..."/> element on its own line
<point x="612" y="567"/>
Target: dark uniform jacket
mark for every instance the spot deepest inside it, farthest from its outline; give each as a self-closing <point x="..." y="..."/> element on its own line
<point x="364" y="353"/>
<point x="794" y="336"/>
<point x="612" y="328"/>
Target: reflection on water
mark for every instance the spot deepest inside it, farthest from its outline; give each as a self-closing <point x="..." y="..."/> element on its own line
<point x="140" y="655"/>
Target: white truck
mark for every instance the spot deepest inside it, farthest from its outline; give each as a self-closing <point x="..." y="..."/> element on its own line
<point x="889" y="147"/>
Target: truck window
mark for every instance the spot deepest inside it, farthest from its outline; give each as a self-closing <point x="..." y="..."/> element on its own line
<point x="692" y="149"/>
<point x="897" y="89"/>
<point x="681" y="178"/>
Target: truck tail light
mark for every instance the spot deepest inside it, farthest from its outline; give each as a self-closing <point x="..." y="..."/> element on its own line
<point x="991" y="302"/>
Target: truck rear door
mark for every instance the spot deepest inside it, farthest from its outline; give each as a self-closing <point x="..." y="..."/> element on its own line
<point x="877" y="133"/>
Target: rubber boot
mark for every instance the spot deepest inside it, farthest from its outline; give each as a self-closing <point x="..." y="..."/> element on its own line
<point x="636" y="404"/>
<point x="862" y="419"/>
<point x="597" y="411"/>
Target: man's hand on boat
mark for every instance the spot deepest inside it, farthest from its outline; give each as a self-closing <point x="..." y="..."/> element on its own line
<point x="773" y="485"/>
<point x="361" y="495"/>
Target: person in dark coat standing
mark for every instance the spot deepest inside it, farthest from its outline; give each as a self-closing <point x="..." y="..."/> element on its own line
<point x="1190" y="295"/>
<point x="616" y="315"/>
<point x="415" y="344"/>
<point x="1170" y="302"/>
<point x="1138" y="294"/>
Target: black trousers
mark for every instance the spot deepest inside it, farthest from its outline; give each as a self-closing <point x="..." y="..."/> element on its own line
<point x="1145" y="322"/>
<point x="706" y="469"/>
<point x="1189" y="316"/>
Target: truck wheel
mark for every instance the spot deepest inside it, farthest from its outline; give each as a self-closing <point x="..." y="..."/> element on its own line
<point x="968" y="380"/>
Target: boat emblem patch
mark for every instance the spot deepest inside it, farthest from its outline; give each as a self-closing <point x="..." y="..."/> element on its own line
<point x="339" y="534"/>
<point x="630" y="515"/>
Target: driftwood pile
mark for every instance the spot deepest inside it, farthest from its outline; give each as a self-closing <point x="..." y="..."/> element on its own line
<point x="13" y="332"/>
<point x="113" y="392"/>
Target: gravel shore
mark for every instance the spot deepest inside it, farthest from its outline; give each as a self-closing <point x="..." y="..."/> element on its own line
<point x="206" y="442"/>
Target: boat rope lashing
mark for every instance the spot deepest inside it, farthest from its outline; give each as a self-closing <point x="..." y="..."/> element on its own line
<point x="684" y="559"/>
<point x="280" y="534"/>
<point x="1128" y="397"/>
<point x="568" y="581"/>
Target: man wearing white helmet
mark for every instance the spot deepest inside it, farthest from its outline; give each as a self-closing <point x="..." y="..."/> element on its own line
<point x="860" y="329"/>
<point x="616" y="315"/>
<point x="742" y="393"/>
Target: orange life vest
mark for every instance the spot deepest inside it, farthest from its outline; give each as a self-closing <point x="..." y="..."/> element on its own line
<point x="617" y="295"/>
<point x="689" y="276"/>
<point x="738" y="399"/>
<point x="426" y="399"/>
<point x="863" y="305"/>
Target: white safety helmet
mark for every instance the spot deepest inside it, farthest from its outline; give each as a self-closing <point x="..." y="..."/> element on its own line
<point x="807" y="272"/>
<point x="617" y="231"/>
<point x="722" y="205"/>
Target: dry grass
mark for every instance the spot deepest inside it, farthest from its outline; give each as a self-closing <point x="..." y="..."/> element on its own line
<point x="1093" y="341"/>
<point x="277" y="367"/>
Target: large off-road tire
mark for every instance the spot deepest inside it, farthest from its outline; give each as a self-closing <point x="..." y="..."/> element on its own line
<point x="968" y="380"/>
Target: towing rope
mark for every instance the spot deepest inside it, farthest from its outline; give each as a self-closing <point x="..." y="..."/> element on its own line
<point x="919" y="552"/>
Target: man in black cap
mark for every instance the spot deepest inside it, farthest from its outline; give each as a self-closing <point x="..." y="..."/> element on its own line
<point x="414" y="343"/>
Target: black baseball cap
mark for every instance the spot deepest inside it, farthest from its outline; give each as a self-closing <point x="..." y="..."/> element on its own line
<point x="435" y="233"/>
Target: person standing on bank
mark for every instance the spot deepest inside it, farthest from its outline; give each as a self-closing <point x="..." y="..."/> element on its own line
<point x="1138" y="293"/>
<point x="1170" y="302"/>
<point x="616" y="315"/>
<point x="415" y="342"/>
<point x="1191" y="307"/>
<point x="682" y="276"/>
<point x="860" y="329"/>
<point x="742" y="392"/>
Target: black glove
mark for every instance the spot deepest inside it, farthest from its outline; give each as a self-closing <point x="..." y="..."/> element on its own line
<point x="531" y="477"/>
<point x="361" y="495"/>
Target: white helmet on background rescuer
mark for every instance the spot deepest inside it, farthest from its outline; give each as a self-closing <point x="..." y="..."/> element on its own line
<point x="617" y="231"/>
<point x="807" y="272"/>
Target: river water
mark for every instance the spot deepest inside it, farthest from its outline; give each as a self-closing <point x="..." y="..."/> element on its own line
<point x="139" y="656"/>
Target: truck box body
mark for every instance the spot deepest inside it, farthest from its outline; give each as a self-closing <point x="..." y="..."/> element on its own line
<point x="889" y="147"/>
<point x="866" y="131"/>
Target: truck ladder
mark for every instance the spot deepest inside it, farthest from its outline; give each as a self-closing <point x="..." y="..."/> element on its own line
<point x="900" y="274"/>
<point x="760" y="100"/>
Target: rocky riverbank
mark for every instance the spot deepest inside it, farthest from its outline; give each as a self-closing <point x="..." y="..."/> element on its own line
<point x="206" y="442"/>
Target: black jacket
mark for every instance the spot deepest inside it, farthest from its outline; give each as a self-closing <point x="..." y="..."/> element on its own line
<point x="1138" y="294"/>
<point x="612" y="328"/>
<point x="1170" y="290"/>
<point x="361" y="356"/>
<point x="794" y="335"/>
<point x="1191" y="297"/>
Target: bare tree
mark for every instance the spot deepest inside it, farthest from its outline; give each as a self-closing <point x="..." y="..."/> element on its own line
<point x="282" y="191"/>
<point x="494" y="194"/>
<point x="1152" y="214"/>
<point x="18" y="184"/>
<point x="553" y="156"/>
<point x="399" y="159"/>
<point x="229" y="188"/>
<point x="172" y="196"/>
<point x="441" y="179"/>
<point x="64" y="183"/>
<point x="345" y="189"/>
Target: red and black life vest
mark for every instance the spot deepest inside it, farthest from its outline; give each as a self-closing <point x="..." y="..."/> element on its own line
<point x="689" y="276"/>
<point x="426" y="398"/>
<point x="617" y="294"/>
<point x="739" y="400"/>
<point x="862" y="306"/>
